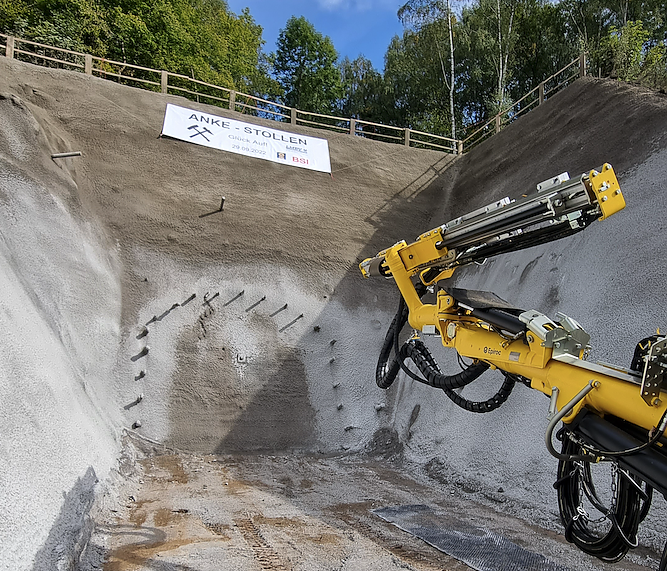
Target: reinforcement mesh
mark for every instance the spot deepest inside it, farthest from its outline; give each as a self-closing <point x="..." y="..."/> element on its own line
<point x="478" y="548"/>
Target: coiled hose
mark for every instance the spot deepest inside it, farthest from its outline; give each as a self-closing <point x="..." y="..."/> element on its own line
<point x="631" y="507"/>
<point x="386" y="371"/>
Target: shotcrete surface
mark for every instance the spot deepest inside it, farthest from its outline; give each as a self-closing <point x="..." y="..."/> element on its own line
<point x="247" y="340"/>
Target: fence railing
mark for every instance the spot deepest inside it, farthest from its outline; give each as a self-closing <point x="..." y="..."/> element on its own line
<point x="166" y="82"/>
<point x="562" y="78"/>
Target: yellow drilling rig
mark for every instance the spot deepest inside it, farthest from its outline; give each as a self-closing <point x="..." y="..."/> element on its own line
<point x="601" y="414"/>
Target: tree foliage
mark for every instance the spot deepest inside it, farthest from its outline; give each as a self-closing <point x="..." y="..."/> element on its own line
<point x="435" y="21"/>
<point x="455" y="65"/>
<point x="305" y="67"/>
<point x="197" y="38"/>
<point x="363" y="90"/>
<point x="413" y="78"/>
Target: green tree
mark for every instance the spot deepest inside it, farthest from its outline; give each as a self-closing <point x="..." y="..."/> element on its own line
<point x="413" y="81"/>
<point x="363" y="90"/>
<point x="507" y="49"/>
<point x="590" y="24"/>
<point x="71" y="24"/>
<point x="498" y="18"/>
<point x="12" y="15"/>
<point x="541" y="47"/>
<point x="477" y="67"/>
<point x="427" y="16"/>
<point x="626" y="46"/>
<point x="305" y="67"/>
<point x="634" y="56"/>
<point x="654" y="68"/>
<point x="197" y="38"/>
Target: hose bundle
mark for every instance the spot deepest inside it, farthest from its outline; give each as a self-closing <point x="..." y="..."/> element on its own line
<point x="629" y="507"/>
<point x="386" y="371"/>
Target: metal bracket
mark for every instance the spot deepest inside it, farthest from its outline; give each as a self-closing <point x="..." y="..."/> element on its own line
<point x="567" y="346"/>
<point x="552" y="182"/>
<point x="654" y="372"/>
<point x="567" y="341"/>
<point x="607" y="191"/>
<point x="536" y="322"/>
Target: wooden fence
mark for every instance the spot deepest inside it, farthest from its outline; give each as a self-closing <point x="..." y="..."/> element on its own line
<point x="532" y="99"/>
<point x="166" y="82"/>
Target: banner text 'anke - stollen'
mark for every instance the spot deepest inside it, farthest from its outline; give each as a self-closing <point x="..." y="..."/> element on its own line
<point x="246" y="139"/>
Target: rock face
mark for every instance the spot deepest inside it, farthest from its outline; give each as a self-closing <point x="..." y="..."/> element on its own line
<point x="129" y="302"/>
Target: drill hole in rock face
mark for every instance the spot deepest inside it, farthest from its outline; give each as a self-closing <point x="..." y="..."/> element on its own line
<point x="255" y="414"/>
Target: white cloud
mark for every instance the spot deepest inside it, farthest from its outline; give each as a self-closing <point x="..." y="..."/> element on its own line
<point x="359" y="5"/>
<point x="333" y="5"/>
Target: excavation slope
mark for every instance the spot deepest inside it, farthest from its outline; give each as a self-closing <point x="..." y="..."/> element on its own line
<point x="131" y="302"/>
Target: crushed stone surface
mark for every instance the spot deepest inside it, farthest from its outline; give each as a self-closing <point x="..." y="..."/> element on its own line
<point x="179" y="511"/>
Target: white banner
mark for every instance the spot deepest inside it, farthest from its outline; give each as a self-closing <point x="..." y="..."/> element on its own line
<point x="246" y="139"/>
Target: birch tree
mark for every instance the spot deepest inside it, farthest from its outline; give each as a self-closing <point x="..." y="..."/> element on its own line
<point x="420" y="13"/>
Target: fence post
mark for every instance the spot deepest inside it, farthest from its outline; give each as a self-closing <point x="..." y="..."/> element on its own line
<point x="293" y="116"/>
<point x="407" y="137"/>
<point x="582" y="64"/>
<point x="541" y="92"/>
<point x="88" y="64"/>
<point x="9" y="49"/>
<point x="498" y="123"/>
<point x="353" y="126"/>
<point x="459" y="147"/>
<point x="232" y="100"/>
<point x="165" y="81"/>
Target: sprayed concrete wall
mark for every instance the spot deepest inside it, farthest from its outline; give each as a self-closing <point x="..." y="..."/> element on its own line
<point x="60" y="315"/>
<point x="608" y="278"/>
<point x="122" y="306"/>
<point x="124" y="272"/>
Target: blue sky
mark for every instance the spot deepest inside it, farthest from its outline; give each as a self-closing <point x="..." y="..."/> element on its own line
<point x="354" y="26"/>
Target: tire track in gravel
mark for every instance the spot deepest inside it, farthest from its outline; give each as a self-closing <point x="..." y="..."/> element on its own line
<point x="266" y="556"/>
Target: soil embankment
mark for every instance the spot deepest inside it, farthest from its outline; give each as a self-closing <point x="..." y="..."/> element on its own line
<point x="276" y="351"/>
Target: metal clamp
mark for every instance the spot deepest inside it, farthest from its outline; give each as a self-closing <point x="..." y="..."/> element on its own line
<point x="567" y="341"/>
<point x="537" y="323"/>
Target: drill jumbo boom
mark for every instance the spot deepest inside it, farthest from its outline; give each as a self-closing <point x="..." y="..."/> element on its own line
<point x="610" y="415"/>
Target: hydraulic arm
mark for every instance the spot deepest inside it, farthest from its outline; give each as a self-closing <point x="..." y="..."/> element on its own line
<point x="609" y="414"/>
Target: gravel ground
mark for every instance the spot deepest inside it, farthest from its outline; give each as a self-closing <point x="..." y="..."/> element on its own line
<point x="181" y="512"/>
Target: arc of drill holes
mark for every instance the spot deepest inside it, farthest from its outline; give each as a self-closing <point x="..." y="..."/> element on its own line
<point x="161" y="317"/>
<point x="143" y="332"/>
<point x="283" y="308"/>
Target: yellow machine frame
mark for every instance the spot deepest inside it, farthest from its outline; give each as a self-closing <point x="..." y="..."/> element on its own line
<point x="612" y="389"/>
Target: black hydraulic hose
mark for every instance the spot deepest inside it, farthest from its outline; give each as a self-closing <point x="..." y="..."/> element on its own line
<point x="427" y="365"/>
<point x="657" y="435"/>
<point x="488" y="405"/>
<point x="386" y="371"/>
<point x="421" y="356"/>
<point x="647" y="503"/>
<point x="573" y="478"/>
